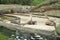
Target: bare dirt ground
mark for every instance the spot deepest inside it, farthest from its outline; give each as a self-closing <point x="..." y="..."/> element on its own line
<point x="40" y="23"/>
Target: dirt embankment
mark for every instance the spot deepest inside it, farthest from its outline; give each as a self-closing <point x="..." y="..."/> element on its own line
<point x="42" y="8"/>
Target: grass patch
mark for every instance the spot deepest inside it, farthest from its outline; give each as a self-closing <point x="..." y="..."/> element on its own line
<point x="5" y="33"/>
<point x="3" y="37"/>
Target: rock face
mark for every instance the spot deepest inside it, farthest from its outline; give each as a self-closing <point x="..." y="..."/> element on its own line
<point x="5" y="11"/>
<point x="46" y="3"/>
<point x="18" y="10"/>
<point x="15" y="10"/>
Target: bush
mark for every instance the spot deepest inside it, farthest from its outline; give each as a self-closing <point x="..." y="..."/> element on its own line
<point x="22" y="2"/>
<point x="35" y="2"/>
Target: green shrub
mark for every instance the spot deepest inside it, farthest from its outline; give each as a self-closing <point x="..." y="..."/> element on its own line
<point x="36" y="2"/>
<point x="22" y="2"/>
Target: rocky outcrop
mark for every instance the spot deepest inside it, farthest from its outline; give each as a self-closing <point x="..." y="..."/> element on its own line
<point x="45" y="3"/>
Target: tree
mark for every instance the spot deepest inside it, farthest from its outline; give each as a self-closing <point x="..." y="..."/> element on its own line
<point x="26" y="2"/>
